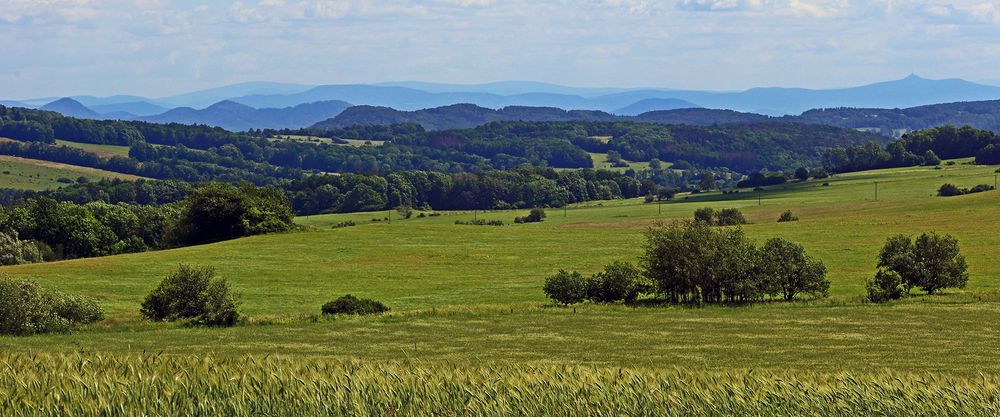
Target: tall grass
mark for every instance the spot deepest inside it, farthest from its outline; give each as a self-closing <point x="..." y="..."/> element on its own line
<point x="131" y="385"/>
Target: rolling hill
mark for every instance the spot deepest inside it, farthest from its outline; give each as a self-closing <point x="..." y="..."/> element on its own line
<point x="238" y="117"/>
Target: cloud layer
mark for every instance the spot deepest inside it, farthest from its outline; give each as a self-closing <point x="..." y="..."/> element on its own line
<point x="160" y="47"/>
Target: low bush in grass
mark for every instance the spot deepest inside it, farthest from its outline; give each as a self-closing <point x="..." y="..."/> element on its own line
<point x="194" y="294"/>
<point x="26" y="309"/>
<point x="350" y="304"/>
<point x="536" y="215"/>
<point x="787" y="216"/>
<point x="885" y="286"/>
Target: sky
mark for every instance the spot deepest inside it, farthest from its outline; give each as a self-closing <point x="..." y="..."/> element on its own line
<point x="159" y="48"/>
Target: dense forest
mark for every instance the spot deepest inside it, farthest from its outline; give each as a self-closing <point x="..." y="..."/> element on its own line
<point x="924" y="147"/>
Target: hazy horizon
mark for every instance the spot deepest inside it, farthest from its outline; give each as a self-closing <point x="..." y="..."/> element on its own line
<point x="158" y="48"/>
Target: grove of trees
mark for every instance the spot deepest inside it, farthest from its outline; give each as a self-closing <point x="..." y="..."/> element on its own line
<point x="693" y="263"/>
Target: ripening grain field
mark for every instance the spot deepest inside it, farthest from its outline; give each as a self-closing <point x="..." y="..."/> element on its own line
<point x="469" y="316"/>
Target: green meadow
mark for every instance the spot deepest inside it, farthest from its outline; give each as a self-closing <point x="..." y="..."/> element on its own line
<point x="33" y="174"/>
<point x="472" y="294"/>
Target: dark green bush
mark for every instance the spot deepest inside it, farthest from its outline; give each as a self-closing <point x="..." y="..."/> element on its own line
<point x="949" y="190"/>
<point x="705" y="215"/>
<point x="26" y="308"/>
<point x="194" y="294"/>
<point x="350" y="304"/>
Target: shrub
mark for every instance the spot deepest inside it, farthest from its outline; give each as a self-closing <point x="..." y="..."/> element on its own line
<point x="802" y="174"/>
<point x="730" y="217"/>
<point x="931" y="158"/>
<point x="887" y="285"/>
<point x="787" y="216"/>
<point x="405" y="211"/>
<point x="704" y="215"/>
<point x="350" y="304"/>
<point x="566" y="287"/>
<point x="649" y="198"/>
<point x="619" y="281"/>
<point x="26" y="308"/>
<point x="14" y="251"/>
<point x="536" y="215"/>
<point x="948" y="190"/>
<point x="195" y="294"/>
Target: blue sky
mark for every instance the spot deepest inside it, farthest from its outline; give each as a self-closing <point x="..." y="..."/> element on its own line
<point x="159" y="47"/>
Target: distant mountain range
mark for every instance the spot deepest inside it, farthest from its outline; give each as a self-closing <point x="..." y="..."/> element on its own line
<point x="280" y="105"/>
<point x="887" y="122"/>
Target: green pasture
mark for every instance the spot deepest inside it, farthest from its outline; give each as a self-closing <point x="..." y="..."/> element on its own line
<point x="33" y="174"/>
<point x="471" y="293"/>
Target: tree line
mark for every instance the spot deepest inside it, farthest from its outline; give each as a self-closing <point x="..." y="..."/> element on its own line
<point x="43" y="229"/>
<point x="923" y="147"/>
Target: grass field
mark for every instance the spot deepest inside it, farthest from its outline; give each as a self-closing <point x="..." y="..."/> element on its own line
<point x="471" y="296"/>
<point x="33" y="174"/>
<point x="105" y="151"/>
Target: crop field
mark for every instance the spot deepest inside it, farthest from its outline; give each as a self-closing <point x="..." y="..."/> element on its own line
<point x="33" y="174"/>
<point x="105" y="151"/>
<point x="467" y="303"/>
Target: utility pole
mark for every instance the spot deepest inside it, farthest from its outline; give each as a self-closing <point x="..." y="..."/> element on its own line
<point x="659" y="206"/>
<point x="475" y="214"/>
<point x="565" y="208"/>
<point x="390" y="216"/>
<point x="876" y="190"/>
<point x="758" y="197"/>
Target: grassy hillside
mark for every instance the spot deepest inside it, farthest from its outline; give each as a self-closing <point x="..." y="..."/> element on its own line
<point x="33" y="174"/>
<point x="464" y="293"/>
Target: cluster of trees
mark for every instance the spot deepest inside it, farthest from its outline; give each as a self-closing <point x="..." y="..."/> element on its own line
<point x="140" y="191"/>
<point x="45" y="229"/>
<point x="692" y="262"/>
<point x="951" y="190"/>
<point x="534" y="216"/>
<point x="931" y="262"/>
<point x="924" y="147"/>
<point x="619" y="281"/>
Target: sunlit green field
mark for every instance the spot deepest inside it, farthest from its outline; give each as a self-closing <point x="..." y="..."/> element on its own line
<point x="33" y="174"/>
<point x="473" y="293"/>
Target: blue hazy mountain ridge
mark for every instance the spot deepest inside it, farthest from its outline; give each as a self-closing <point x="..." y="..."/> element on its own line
<point x="203" y="98"/>
<point x="72" y="108"/>
<point x="132" y="108"/>
<point x="654" y="104"/>
<point x="908" y="92"/>
<point x="234" y="116"/>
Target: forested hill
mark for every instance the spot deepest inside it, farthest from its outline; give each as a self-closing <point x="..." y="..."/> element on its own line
<point x="894" y="122"/>
<point x="198" y="152"/>
<point x="887" y="122"/>
<point x="458" y="116"/>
